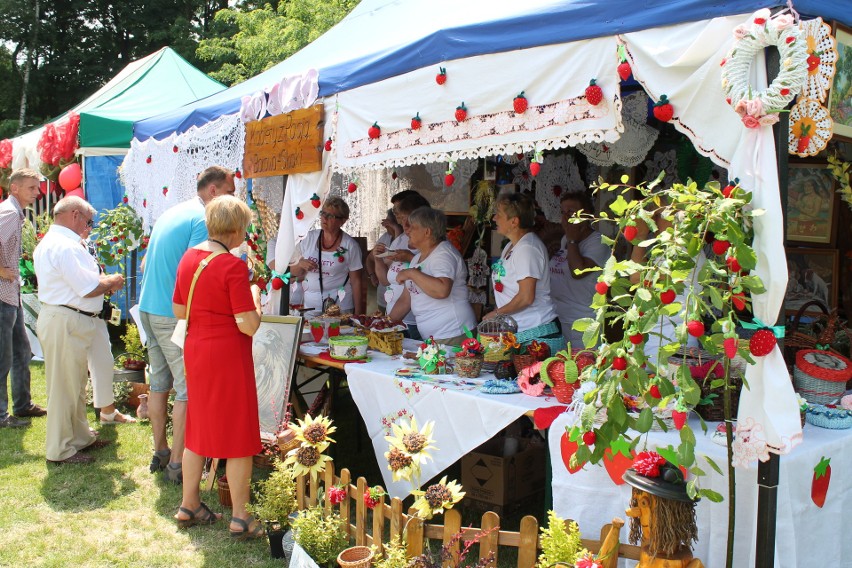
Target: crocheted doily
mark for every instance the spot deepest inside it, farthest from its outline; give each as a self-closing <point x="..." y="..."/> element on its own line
<point x="663" y="161"/>
<point x="559" y="174"/>
<point x="808" y="115"/>
<point x="635" y="142"/>
<point x="822" y="58"/>
<point x="268" y="193"/>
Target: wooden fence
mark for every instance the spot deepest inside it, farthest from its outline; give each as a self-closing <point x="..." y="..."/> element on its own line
<point x="389" y="521"/>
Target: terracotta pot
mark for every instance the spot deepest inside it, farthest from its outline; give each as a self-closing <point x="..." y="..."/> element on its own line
<point x="142" y="409"/>
<point x="135" y="390"/>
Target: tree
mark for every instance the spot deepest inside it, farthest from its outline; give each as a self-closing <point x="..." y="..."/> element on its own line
<point x="249" y="40"/>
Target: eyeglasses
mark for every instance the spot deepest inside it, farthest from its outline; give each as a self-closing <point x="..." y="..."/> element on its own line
<point x="326" y="215"/>
<point x="90" y="223"/>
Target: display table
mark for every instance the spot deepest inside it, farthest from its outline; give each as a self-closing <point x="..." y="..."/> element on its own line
<point x="806" y="535"/>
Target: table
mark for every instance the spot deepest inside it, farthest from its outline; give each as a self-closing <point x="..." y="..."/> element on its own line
<point x="806" y="534"/>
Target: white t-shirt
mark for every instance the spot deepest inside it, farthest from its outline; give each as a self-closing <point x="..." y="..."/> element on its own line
<point x="445" y="318"/>
<point x="573" y="296"/>
<point x="66" y="271"/>
<point x="528" y="258"/>
<point x="386" y="240"/>
<point x="336" y="266"/>
<point x="401" y="242"/>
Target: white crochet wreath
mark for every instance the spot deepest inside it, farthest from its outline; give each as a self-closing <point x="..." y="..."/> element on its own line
<point x="761" y="31"/>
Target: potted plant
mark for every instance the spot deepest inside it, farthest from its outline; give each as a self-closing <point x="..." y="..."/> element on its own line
<point x="320" y="534"/>
<point x="274" y="502"/>
<point x="560" y="542"/>
<point x="130" y="365"/>
<point x="469" y="360"/>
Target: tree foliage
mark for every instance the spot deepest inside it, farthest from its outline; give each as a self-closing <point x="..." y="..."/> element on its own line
<point x="261" y="37"/>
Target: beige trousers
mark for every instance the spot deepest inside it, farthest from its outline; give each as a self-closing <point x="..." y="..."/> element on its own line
<point x="66" y="338"/>
<point x="101" y="367"/>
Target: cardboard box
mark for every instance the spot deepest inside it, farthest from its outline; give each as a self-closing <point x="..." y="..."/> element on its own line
<point x="491" y="476"/>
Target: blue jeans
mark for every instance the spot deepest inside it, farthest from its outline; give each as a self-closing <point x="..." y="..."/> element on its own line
<point x="15" y="355"/>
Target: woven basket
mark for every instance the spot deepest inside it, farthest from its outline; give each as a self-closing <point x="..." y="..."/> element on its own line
<point x="224" y="492"/>
<point x="521" y="362"/>
<point x="715" y="411"/>
<point x="820" y="377"/>
<point x="554" y="368"/>
<point x="355" y="557"/>
<point x="831" y="418"/>
<point x="469" y="367"/>
<point x="388" y="342"/>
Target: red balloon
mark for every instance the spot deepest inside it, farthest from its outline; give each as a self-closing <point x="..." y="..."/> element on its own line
<point x="77" y="192"/>
<point x="71" y="176"/>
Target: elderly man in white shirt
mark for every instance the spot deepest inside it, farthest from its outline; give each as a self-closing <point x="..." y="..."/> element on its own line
<point x="71" y="290"/>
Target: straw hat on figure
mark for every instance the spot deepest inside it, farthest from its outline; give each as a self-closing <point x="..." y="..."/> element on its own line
<point x="662" y="515"/>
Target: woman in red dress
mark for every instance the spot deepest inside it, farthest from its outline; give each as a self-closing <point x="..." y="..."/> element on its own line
<point x="221" y="413"/>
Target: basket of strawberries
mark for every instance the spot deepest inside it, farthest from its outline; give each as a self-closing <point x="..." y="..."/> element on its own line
<point x="562" y="372"/>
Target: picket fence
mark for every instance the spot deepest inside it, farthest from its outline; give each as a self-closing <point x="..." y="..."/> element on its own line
<point x="391" y="519"/>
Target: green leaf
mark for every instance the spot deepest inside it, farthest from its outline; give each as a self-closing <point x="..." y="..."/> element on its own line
<point x="582" y="324"/>
<point x="590" y="336"/>
<point x="645" y="420"/>
<point x="670" y="454"/>
<point x="644" y="294"/>
<point x="616" y="411"/>
<point x="711" y="495"/>
<point x="713" y="464"/>
<point x="619" y="206"/>
<point x="687" y="436"/>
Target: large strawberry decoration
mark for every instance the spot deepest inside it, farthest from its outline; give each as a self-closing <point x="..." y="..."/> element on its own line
<point x="663" y="110"/>
<point x="375" y="131"/>
<point x="277" y="283"/>
<point x="441" y="77"/>
<point x="821" y="480"/>
<point x="461" y="112"/>
<point x="416" y="122"/>
<point x="804" y="140"/>
<point x="617" y="459"/>
<point x="315" y="200"/>
<point x="594" y="94"/>
<point x="567" y="449"/>
<point x="624" y="70"/>
<point x="762" y="343"/>
<point x="520" y="103"/>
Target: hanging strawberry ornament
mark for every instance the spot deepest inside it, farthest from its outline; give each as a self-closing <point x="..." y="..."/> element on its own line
<point x="299" y="214"/>
<point x="739" y="300"/>
<point x="733" y="264"/>
<point x="630" y="232"/>
<point x="238" y="174"/>
<point x="441" y="77"/>
<point x="667" y="296"/>
<point x="520" y="104"/>
<point x="663" y="110"/>
<point x="762" y="342"/>
<point x="601" y="287"/>
<point x="315" y="201"/>
<point x="449" y="178"/>
<point x="624" y="70"/>
<point x="461" y="112"/>
<point x="327" y="145"/>
<point x="720" y="246"/>
<point x="535" y="164"/>
<point x="594" y="94"/>
<point x="175" y="149"/>
<point x="148" y="159"/>
<point x="375" y="131"/>
<point x="679" y="414"/>
<point x="416" y="122"/>
<point x="277" y="283"/>
<point x="353" y="186"/>
<point x="730" y="344"/>
<point x="695" y="328"/>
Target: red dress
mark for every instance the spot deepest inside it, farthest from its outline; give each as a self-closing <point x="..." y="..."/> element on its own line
<point x="221" y="411"/>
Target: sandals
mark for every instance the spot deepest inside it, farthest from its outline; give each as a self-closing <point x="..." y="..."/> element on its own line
<point x="196" y="518"/>
<point x="160" y="460"/>
<point x="247" y="533"/>
<point x="116" y="417"/>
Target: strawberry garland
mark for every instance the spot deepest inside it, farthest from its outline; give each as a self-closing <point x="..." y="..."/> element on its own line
<point x="758" y="108"/>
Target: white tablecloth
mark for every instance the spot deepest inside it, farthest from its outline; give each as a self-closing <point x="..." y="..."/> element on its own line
<point x="464" y="417"/>
<point x="806" y="534"/>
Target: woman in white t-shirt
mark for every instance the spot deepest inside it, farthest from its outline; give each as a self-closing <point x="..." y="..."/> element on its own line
<point x="436" y="282"/>
<point x="521" y="277"/>
<point x="340" y="257"/>
<point x="392" y="231"/>
<point x="581" y="248"/>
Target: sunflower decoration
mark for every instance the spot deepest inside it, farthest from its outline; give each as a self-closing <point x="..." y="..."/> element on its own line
<point x="401" y="465"/>
<point x="314" y="431"/>
<point x="437" y="498"/>
<point x="412" y="441"/>
<point x="307" y="460"/>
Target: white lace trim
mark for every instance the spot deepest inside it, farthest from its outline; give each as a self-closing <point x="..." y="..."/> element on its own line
<point x="632" y="147"/>
<point x="750" y="444"/>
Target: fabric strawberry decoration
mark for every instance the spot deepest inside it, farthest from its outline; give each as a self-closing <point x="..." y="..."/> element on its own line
<point x="594" y="94"/>
<point x="663" y="110"/>
<point x="336" y="494"/>
<point x="762" y="343"/>
<point x="720" y="247"/>
<point x="441" y="77"/>
<point x="352" y="187"/>
<point x="315" y="201"/>
<point x="695" y="328"/>
<point x="373" y="496"/>
<point x="327" y="145"/>
<point x="637" y="338"/>
<point x="804" y="140"/>
<point x="175" y="149"/>
<point x="589" y="438"/>
<point x="165" y="190"/>
<point x="821" y="480"/>
<point x="277" y="283"/>
<point x="124" y="200"/>
<point x="340" y="253"/>
<point x="739" y="300"/>
<point x="375" y="131"/>
<point x="498" y="286"/>
<point x="535" y="168"/>
<point x="679" y="415"/>
<point x="601" y="287"/>
<point x="727" y="191"/>
<point x="733" y="264"/>
<point x="416" y="122"/>
<point x="520" y="103"/>
<point x="148" y="159"/>
<point x="654" y="391"/>
<point x="624" y="70"/>
<point x="730" y="344"/>
<point x="630" y="232"/>
<point x="299" y="214"/>
<point x="668" y="296"/>
<point x="619" y="363"/>
<point x="461" y="112"/>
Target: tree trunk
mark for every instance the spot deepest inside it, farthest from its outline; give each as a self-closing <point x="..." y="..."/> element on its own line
<point x="22" y="116"/>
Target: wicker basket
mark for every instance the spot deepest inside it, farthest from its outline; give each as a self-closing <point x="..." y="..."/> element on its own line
<point x="469" y="367"/>
<point x="715" y="411"/>
<point x="521" y="362"/>
<point x="224" y="492"/>
<point x="831" y="418"/>
<point x="388" y="342"/>
<point x="554" y="369"/>
<point x="355" y="557"/>
<point x="820" y="377"/>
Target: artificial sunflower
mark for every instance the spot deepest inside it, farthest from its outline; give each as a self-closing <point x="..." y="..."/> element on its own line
<point x="307" y="459"/>
<point x="401" y="465"/>
<point x="437" y="498"/>
<point x="314" y="431"/>
<point x="413" y="441"/>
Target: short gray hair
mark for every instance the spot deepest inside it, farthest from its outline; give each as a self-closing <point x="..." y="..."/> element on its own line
<point x="431" y="219"/>
<point x="73" y="203"/>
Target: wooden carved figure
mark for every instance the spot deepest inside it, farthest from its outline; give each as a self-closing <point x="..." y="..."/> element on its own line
<point x="662" y="515"/>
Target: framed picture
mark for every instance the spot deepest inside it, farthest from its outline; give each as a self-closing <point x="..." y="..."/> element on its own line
<point x="811" y="275"/>
<point x="275" y="346"/>
<point x="811" y="204"/>
<point x="840" y="95"/>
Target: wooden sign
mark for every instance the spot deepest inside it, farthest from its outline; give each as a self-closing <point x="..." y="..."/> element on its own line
<point x="284" y="144"/>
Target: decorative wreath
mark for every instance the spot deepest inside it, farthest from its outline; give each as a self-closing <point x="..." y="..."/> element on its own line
<point x="759" y="108"/>
<point x="810" y="128"/>
<point x="821" y="48"/>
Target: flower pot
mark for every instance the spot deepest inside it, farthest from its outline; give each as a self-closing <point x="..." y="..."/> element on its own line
<point x="136" y="389"/>
<point x="355" y="557"/>
<point x="469" y="367"/>
<point x="142" y="409"/>
<point x="276" y="543"/>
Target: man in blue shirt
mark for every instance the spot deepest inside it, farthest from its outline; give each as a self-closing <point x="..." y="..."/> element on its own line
<point x="175" y="231"/>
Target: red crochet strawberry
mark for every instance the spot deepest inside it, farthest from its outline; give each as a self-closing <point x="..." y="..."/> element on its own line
<point x="449" y="180"/>
<point x="624" y="70"/>
<point x="667" y="296"/>
<point x="520" y="103"/>
<point x="165" y="190"/>
<point x="733" y="264"/>
<point x="144" y="203"/>
<point x="663" y="110"/>
<point x="124" y="199"/>
<point x="461" y="112"/>
<point x="695" y="328"/>
<point x="654" y="391"/>
<point x="804" y="140"/>
<point x="148" y="159"/>
<point x="277" y="283"/>
<point x="299" y="214"/>
<point x="821" y="480"/>
<point x="535" y="168"/>
<point x="375" y="131"/>
<point x="594" y="94"/>
<point x="679" y="418"/>
<point x="730" y="344"/>
<point x="601" y="288"/>
<point x="739" y="300"/>
<point x="619" y="363"/>
<point x="589" y="438"/>
<point x="720" y="247"/>
<point x="637" y="338"/>
<point x="762" y="343"/>
<point x="315" y="200"/>
<point x="498" y="286"/>
<point x="416" y="122"/>
<point x="813" y="60"/>
<point x="727" y="191"/>
<point x="328" y="145"/>
<point x="441" y="77"/>
<point x="630" y="232"/>
<point x="175" y="149"/>
<point x="352" y="187"/>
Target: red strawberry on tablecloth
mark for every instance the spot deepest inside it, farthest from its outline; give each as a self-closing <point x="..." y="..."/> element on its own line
<point x="730" y="345"/>
<point x="520" y="103"/>
<point x="327" y="145"/>
<point x="374" y="131"/>
<point x="667" y="296"/>
<point x="821" y="480"/>
<point x="441" y="77"/>
<point x="601" y="288"/>
<point x="535" y="168"/>
<point x="299" y="214"/>
<point x="695" y="328"/>
<point x="630" y="232"/>
<point x="762" y="343"/>
<point x="416" y="122"/>
<point x="461" y="112"/>
<point x="624" y="70"/>
<point x="617" y="459"/>
<point x="663" y="110"/>
<point x="567" y="449"/>
<point x="594" y="94"/>
<point x="315" y="201"/>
